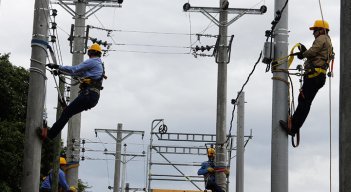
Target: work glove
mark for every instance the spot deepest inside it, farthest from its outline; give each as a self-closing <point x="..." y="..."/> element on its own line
<point x="299" y="55"/>
<point x="56" y="72"/>
<point x="52" y="66"/>
<point x="302" y="48"/>
<point x="210" y="170"/>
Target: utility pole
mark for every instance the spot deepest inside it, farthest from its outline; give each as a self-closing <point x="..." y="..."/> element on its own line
<point x="119" y="139"/>
<point x="279" y="156"/>
<point x="124" y="168"/>
<point x="345" y="95"/>
<point x="36" y="97"/>
<point x="222" y="59"/>
<point x="78" y="50"/>
<point x="74" y="124"/>
<point x="57" y="142"/>
<point x="117" y="178"/>
<point x="240" y="144"/>
<point x="221" y="127"/>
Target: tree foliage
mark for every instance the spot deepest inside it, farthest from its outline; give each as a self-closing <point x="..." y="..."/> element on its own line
<point x="14" y="84"/>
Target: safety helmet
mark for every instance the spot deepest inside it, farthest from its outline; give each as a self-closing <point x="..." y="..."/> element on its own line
<point x="73" y="189"/>
<point x="211" y="152"/>
<point x="95" y="47"/>
<point x="63" y="161"/>
<point x="320" y="24"/>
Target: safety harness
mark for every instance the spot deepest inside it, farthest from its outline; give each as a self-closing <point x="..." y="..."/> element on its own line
<point x="93" y="84"/>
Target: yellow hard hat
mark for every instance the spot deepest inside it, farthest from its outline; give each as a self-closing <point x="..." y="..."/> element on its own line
<point x="211" y="152"/>
<point x="320" y="24"/>
<point x="95" y="47"/>
<point x="73" y="189"/>
<point x="63" y="161"/>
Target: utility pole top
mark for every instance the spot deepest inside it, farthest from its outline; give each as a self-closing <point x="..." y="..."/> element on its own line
<point x="225" y="7"/>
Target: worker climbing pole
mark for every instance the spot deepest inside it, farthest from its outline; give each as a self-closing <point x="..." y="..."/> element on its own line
<point x="318" y="59"/>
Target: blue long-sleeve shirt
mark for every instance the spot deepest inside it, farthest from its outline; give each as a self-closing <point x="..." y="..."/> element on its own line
<point x="62" y="181"/>
<point x="209" y="177"/>
<point x="89" y="68"/>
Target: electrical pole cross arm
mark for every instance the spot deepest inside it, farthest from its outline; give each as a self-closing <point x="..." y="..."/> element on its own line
<point x="208" y="10"/>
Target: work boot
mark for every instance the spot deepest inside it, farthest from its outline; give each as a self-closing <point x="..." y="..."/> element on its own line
<point x="287" y="128"/>
<point x="42" y="133"/>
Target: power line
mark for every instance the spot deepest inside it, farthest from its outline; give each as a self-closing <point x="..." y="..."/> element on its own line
<point x="152" y="52"/>
<point x="151" y="45"/>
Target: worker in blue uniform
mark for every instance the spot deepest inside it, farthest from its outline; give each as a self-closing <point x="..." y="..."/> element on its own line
<point x="91" y="73"/>
<point x="208" y="170"/>
<point x="63" y="186"/>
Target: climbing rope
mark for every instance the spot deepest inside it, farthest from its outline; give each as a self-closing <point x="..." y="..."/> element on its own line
<point x="330" y="75"/>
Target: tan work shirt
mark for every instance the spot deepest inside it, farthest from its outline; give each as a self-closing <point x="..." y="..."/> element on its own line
<point x="320" y="53"/>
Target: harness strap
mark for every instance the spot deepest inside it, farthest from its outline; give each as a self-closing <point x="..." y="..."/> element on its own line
<point x="317" y="72"/>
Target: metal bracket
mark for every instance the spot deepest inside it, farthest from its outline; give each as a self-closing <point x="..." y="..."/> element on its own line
<point x="208" y="10"/>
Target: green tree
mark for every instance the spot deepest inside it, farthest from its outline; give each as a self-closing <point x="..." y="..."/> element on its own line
<point x="14" y="83"/>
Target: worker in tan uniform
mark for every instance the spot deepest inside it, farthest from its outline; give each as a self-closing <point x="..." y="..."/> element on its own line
<point x="316" y="64"/>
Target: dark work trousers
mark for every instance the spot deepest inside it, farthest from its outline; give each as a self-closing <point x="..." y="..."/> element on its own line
<point x="86" y="100"/>
<point x="212" y="185"/>
<point x="310" y="88"/>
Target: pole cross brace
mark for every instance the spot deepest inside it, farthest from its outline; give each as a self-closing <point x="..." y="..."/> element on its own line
<point x="208" y="10"/>
<point x="128" y="132"/>
<point x="96" y="5"/>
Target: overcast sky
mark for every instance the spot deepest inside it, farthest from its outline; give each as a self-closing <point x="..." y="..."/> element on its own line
<point x="181" y="89"/>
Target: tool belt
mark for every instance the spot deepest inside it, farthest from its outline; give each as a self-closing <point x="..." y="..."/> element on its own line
<point x="90" y="84"/>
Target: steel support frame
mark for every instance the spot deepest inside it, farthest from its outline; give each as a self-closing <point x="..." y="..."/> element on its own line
<point x="190" y="150"/>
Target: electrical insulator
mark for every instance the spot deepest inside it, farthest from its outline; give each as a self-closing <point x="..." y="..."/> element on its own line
<point x="93" y="40"/>
<point x="104" y="43"/>
<point x="83" y="158"/>
<point x="53" y="38"/>
<point x="73" y="140"/>
<point x="197" y="48"/>
<point x="53" y="25"/>
<point x="120" y="1"/>
<point x="54" y="12"/>
<point x="105" y="150"/>
<point x="203" y="48"/>
<point x="83" y="141"/>
<point x="208" y="48"/>
<point x="83" y="150"/>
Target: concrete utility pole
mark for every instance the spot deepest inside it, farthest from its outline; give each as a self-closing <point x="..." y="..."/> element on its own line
<point x="279" y="156"/>
<point x="124" y="168"/>
<point x="36" y="97"/>
<point x="345" y="95"/>
<point x="80" y="15"/>
<point x="74" y="124"/>
<point x="240" y="144"/>
<point x="117" y="178"/>
<point x="118" y="154"/>
<point x="57" y="142"/>
<point x="221" y="127"/>
<point x="222" y="59"/>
